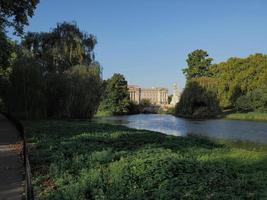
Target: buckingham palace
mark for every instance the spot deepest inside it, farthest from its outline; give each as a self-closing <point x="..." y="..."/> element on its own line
<point x="156" y="95"/>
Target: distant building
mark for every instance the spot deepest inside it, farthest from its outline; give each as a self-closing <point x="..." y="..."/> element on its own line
<point x="157" y="95"/>
<point x="176" y="95"/>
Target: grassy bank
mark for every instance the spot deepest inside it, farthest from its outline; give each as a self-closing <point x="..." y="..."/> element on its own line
<point x="248" y="116"/>
<point x="83" y="160"/>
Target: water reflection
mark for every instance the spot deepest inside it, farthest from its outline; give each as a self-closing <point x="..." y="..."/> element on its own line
<point x="219" y="128"/>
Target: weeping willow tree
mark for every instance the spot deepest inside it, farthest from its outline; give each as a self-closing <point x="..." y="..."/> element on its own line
<point x="199" y="98"/>
<point x="197" y="102"/>
<point x="55" y="75"/>
<point x="62" y="48"/>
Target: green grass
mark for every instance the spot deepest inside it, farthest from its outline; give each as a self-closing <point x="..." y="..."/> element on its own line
<point x="83" y="160"/>
<point x="248" y="116"/>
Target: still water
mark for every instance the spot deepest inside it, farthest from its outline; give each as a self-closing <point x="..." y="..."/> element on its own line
<point x="219" y="128"/>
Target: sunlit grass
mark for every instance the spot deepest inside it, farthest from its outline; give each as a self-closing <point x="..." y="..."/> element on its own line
<point x="248" y="116"/>
<point x="84" y="160"/>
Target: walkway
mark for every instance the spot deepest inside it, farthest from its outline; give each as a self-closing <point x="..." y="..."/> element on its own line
<point x="11" y="165"/>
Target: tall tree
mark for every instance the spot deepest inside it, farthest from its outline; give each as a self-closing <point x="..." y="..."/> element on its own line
<point x="198" y="64"/>
<point x="63" y="47"/>
<point x="116" y="97"/>
<point x="54" y="75"/>
<point x="13" y="14"/>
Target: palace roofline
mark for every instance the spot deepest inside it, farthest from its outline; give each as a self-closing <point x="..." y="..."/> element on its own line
<point x="147" y="88"/>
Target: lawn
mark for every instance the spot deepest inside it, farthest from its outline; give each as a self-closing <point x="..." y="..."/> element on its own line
<point x="248" y="116"/>
<point x="84" y="160"/>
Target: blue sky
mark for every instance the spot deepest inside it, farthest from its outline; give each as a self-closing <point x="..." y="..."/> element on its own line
<point x="148" y="40"/>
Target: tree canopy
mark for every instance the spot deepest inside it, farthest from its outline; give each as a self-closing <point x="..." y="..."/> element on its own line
<point x="16" y="13"/>
<point x="238" y="83"/>
<point x="13" y="14"/>
<point x="116" y="98"/>
<point x="53" y="74"/>
<point x="63" y="47"/>
<point x="198" y="64"/>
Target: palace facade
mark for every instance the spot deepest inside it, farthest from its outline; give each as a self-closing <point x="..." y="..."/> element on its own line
<point x="156" y="95"/>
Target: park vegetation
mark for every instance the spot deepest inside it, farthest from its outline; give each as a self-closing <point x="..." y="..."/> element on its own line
<point x="52" y="74"/>
<point x="55" y="75"/>
<point x="239" y="85"/>
<point x="116" y="99"/>
<point x="85" y="160"/>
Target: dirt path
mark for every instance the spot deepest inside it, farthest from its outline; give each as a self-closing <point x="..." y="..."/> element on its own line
<point x="11" y="165"/>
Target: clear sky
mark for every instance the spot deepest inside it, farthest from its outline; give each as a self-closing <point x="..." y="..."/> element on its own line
<point x="148" y="40"/>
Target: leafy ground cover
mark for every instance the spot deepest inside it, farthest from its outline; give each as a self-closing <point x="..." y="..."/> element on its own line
<point x="248" y="116"/>
<point x="85" y="160"/>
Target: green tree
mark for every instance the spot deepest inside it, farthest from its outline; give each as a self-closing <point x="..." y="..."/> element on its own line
<point x="54" y="75"/>
<point x="239" y="76"/>
<point x="15" y="13"/>
<point x="83" y="85"/>
<point x="65" y="46"/>
<point x="197" y="102"/>
<point x="198" y="64"/>
<point x="25" y="93"/>
<point x="116" y="98"/>
<point x="234" y="78"/>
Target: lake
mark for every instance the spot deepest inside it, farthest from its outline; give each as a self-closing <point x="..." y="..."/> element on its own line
<point x="253" y="131"/>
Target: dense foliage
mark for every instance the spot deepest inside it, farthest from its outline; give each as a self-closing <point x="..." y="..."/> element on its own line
<point x="53" y="74"/>
<point x="13" y="14"/>
<point x="255" y="100"/>
<point x="65" y="46"/>
<point x="116" y="98"/>
<point x="197" y="102"/>
<point x="240" y="76"/>
<point x="198" y="64"/>
<point x="239" y="83"/>
<point x="81" y="160"/>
